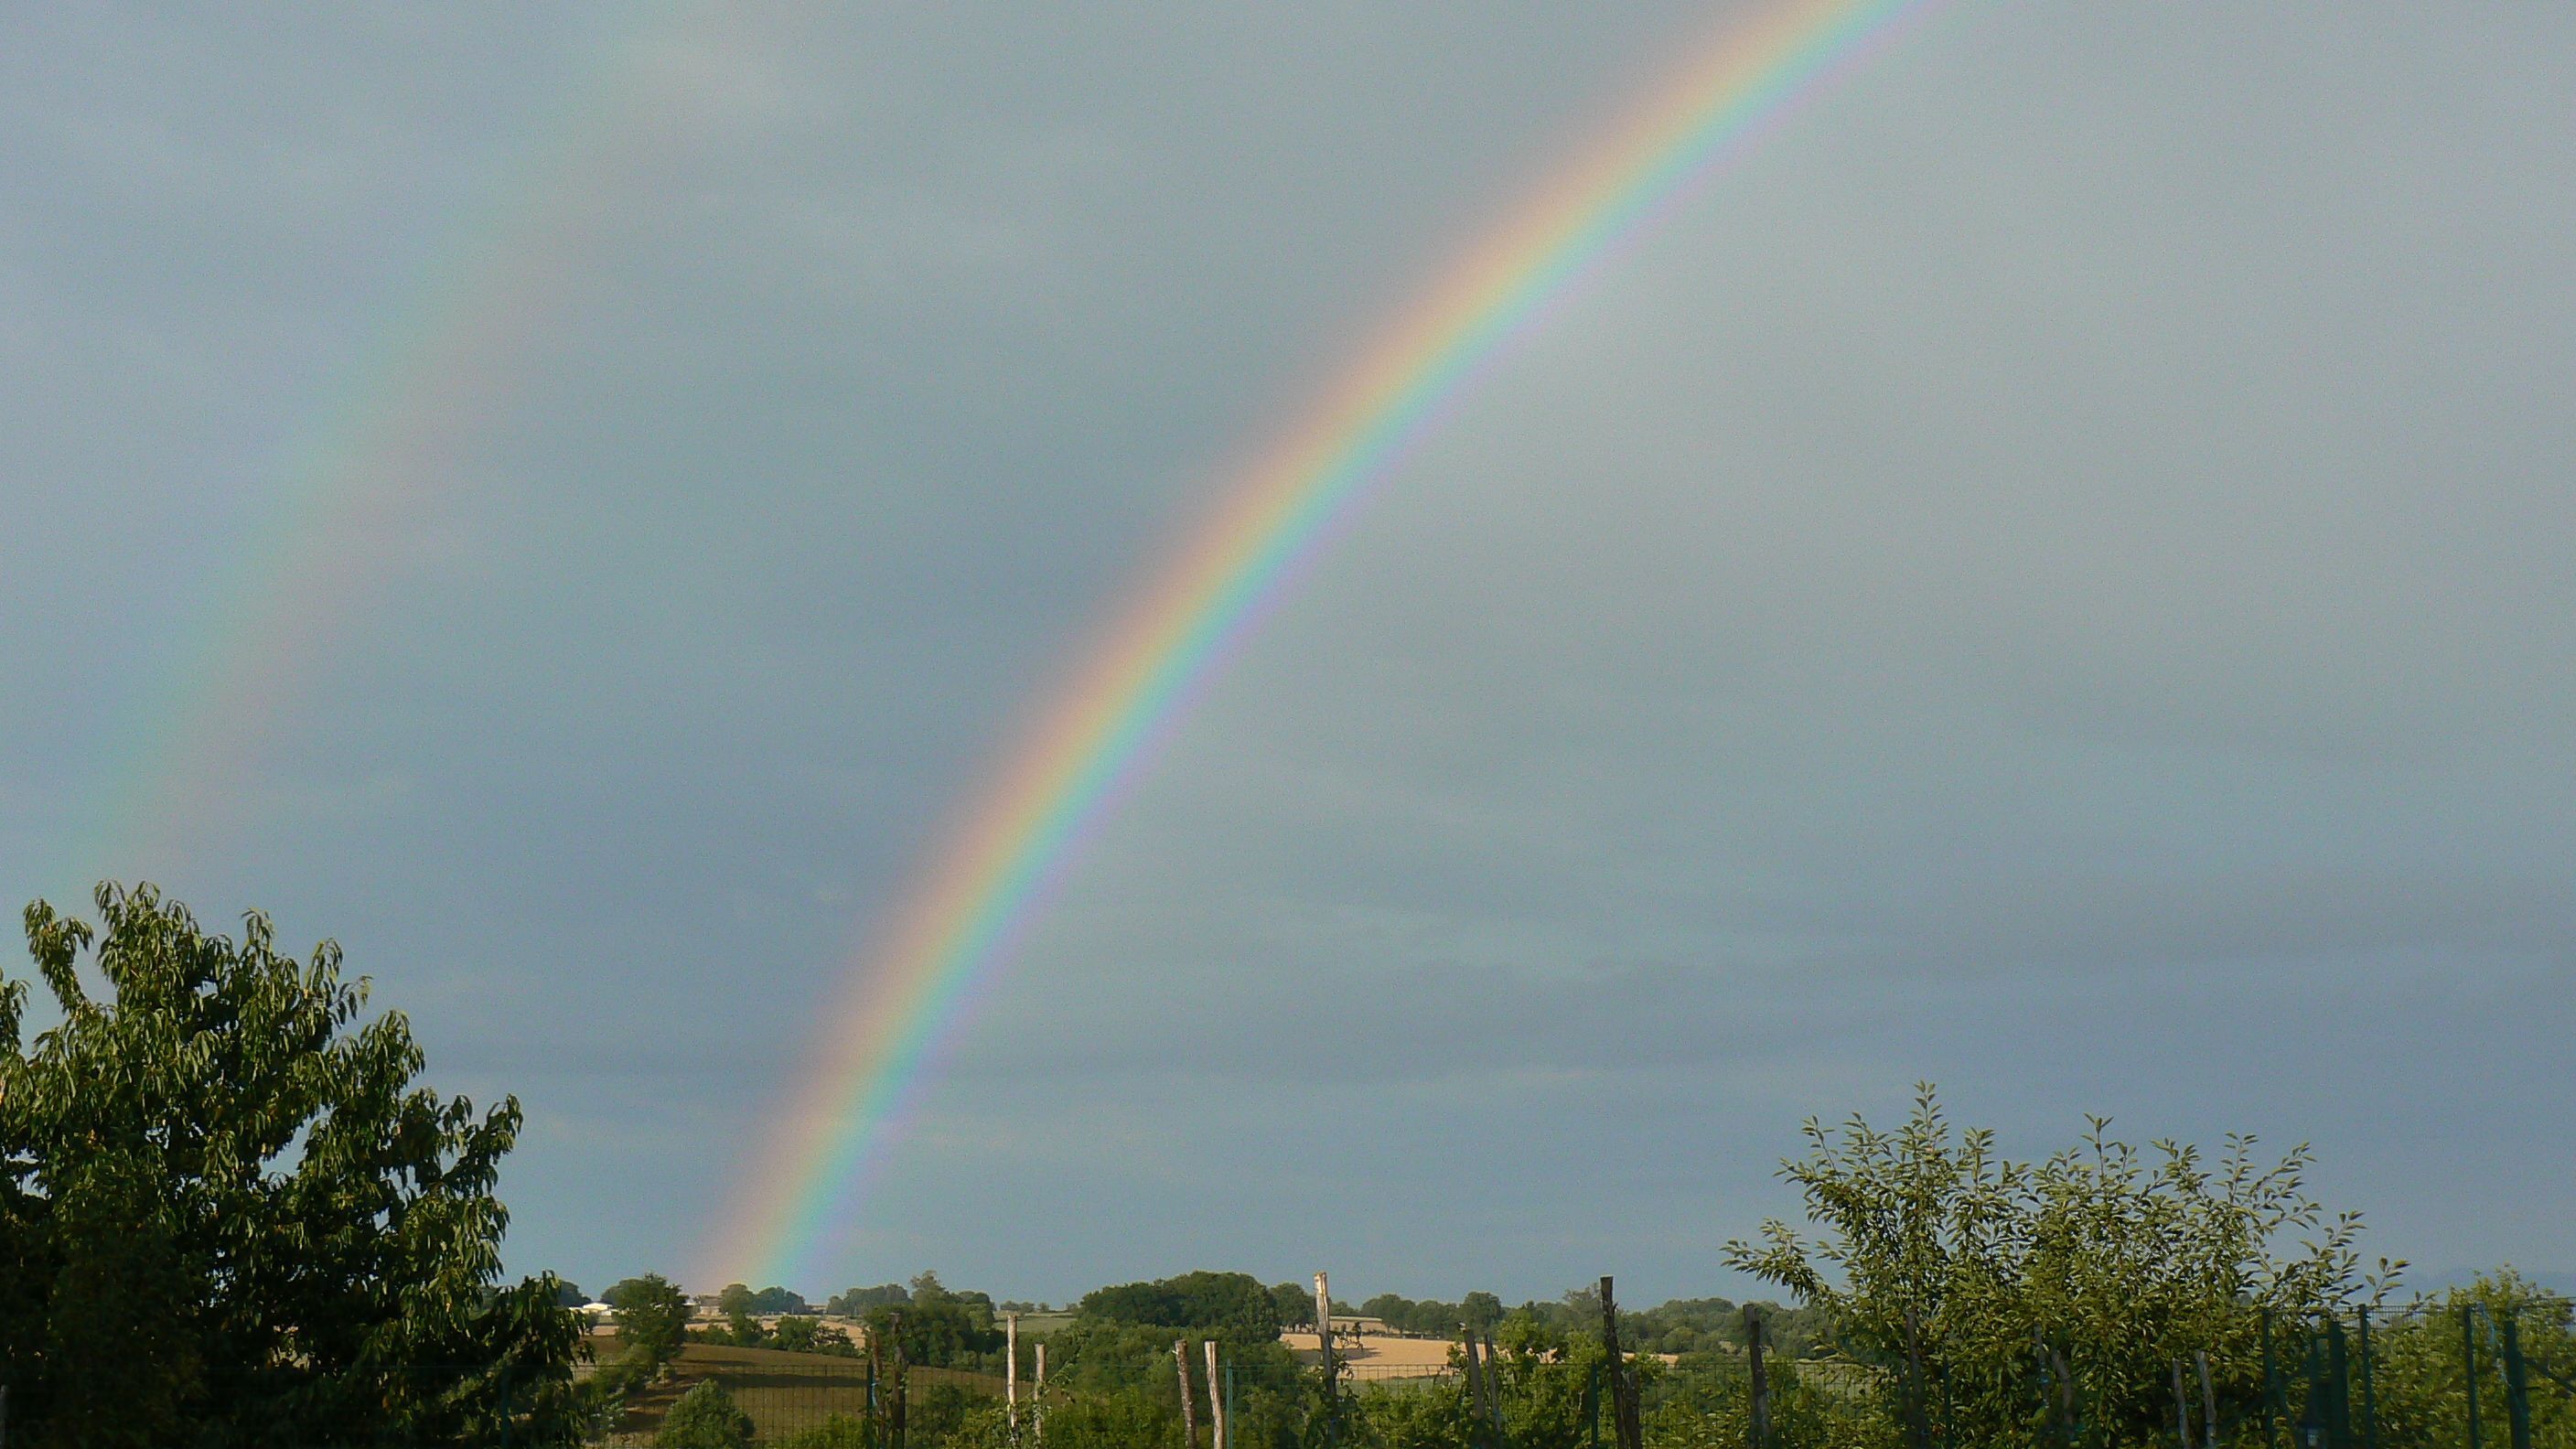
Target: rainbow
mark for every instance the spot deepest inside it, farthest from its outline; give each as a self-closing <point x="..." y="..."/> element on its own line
<point x="380" y="452"/>
<point x="982" y="894"/>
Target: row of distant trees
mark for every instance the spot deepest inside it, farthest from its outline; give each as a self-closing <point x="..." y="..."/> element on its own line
<point x="1114" y="1380"/>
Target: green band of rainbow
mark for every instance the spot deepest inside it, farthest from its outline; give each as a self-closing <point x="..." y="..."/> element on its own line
<point x="907" y="995"/>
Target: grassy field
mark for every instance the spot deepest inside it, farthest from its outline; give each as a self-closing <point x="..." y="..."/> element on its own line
<point x="784" y="1393"/>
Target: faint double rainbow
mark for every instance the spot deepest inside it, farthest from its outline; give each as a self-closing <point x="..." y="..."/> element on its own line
<point x="981" y="894"/>
<point x="326" y="535"/>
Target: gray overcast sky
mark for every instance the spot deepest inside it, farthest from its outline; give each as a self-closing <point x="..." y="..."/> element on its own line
<point x="2053" y="577"/>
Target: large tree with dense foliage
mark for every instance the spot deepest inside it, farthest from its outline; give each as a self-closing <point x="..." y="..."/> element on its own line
<point x="855" y="1301"/>
<point x="1231" y="1306"/>
<point x="1293" y="1304"/>
<point x="652" y="1322"/>
<point x="937" y="1327"/>
<point x="231" y="1216"/>
<point x="1983" y="1295"/>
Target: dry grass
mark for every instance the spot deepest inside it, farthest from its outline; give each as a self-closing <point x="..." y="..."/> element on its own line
<point x="1376" y="1356"/>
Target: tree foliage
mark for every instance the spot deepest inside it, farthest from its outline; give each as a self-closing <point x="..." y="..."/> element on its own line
<point x="738" y="1299"/>
<point x="1982" y="1294"/>
<point x="1231" y="1306"/>
<point x="936" y="1327"/>
<point x="652" y="1322"/>
<point x="706" y="1417"/>
<point x="1431" y="1317"/>
<point x="232" y="1217"/>
<point x="2420" y="1361"/>
<point x="1294" y="1304"/>
<point x="855" y="1302"/>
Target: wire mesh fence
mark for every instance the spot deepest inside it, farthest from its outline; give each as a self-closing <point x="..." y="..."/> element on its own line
<point x="2454" y="1375"/>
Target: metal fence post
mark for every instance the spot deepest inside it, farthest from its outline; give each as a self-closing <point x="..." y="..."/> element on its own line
<point x="1757" y="1430"/>
<point x="2517" y="1388"/>
<point x="2272" y="1386"/>
<point x="2469" y="1365"/>
<point x="2369" y="1389"/>
<point x="2337" y="1416"/>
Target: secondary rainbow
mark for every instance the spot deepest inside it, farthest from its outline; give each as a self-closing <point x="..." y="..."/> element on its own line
<point x="1017" y="840"/>
<point x="354" y="483"/>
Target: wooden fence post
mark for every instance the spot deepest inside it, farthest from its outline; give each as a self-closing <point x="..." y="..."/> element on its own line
<point x="1324" y="1335"/>
<point x="1189" y="1409"/>
<point x="1218" y="1428"/>
<point x="1625" y="1423"/>
<point x="1037" y="1399"/>
<point x="1011" y="1373"/>
<point x="1475" y="1373"/>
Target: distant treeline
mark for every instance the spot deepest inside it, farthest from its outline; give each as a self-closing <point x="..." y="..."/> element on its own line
<point x="967" y="1321"/>
<point x="1682" y="1326"/>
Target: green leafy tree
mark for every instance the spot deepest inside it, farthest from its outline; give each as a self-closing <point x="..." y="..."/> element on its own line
<point x="774" y="1299"/>
<point x="2420" y="1359"/>
<point x="1714" y="1411"/>
<point x="1964" y="1284"/>
<point x="706" y="1417"/>
<point x="1231" y="1306"/>
<point x="652" y="1322"/>
<point x="937" y="1329"/>
<point x="229" y="1215"/>
<point x="837" y="1431"/>
<point x="855" y="1302"/>
<point x="1395" y="1308"/>
<point x="1412" y="1416"/>
<point x="1294" y="1306"/>
<point x="1131" y="1420"/>
<point x="797" y="1333"/>
<point x="745" y="1331"/>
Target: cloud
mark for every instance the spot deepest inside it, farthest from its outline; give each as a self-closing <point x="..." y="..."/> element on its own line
<point x="2047" y="578"/>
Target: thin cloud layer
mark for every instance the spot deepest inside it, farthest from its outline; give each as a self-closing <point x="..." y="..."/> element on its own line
<point x="2048" y="578"/>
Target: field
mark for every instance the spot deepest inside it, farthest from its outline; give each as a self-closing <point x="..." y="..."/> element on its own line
<point x="783" y="1393"/>
<point x="1376" y="1356"/>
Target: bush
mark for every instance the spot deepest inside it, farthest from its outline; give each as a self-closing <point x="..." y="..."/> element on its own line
<point x="840" y="1431"/>
<point x="1114" y="1421"/>
<point x="706" y="1417"/>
